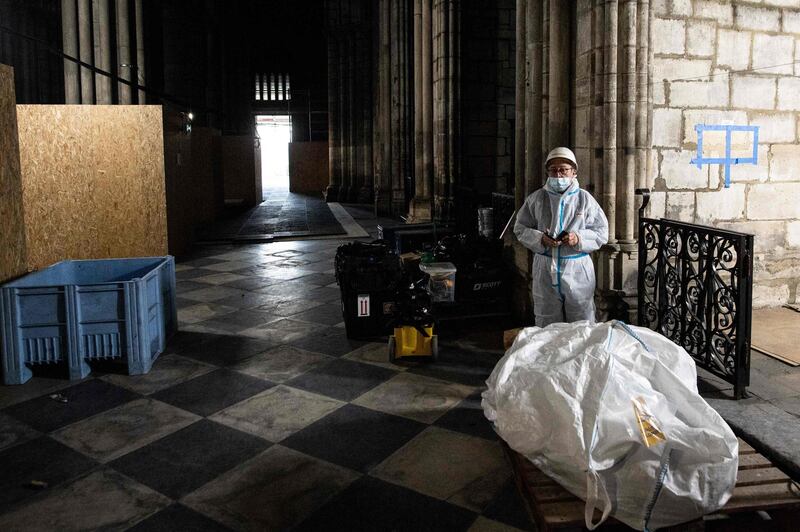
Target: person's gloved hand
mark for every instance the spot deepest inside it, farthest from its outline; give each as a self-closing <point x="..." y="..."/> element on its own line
<point x="549" y="242"/>
<point x="571" y="239"/>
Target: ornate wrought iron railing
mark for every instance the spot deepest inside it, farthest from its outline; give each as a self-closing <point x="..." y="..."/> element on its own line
<point x="696" y="288"/>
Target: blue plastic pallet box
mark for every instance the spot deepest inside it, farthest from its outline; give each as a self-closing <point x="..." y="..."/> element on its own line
<point x="81" y="310"/>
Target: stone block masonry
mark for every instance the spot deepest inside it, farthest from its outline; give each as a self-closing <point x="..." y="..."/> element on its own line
<point x="734" y="62"/>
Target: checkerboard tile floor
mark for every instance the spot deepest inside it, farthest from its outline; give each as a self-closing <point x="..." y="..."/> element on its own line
<point x="261" y="415"/>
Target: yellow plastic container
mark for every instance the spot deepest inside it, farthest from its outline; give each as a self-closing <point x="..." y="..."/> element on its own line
<point x="408" y="341"/>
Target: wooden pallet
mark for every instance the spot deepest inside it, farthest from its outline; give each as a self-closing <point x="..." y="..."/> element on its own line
<point x="759" y="487"/>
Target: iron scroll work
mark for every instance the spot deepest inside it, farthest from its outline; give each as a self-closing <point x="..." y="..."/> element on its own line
<point x="696" y="288"/>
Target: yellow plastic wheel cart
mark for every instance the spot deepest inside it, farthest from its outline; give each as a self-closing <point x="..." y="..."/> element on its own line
<point x="409" y="341"/>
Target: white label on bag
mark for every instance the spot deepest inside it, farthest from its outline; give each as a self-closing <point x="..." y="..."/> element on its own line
<point x="363" y="306"/>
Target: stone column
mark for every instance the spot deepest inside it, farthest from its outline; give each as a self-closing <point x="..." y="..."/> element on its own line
<point x="626" y="137"/>
<point x="446" y="89"/>
<point x="545" y="74"/>
<point x="427" y="101"/>
<point x="139" y="74"/>
<point x="627" y="183"/>
<point x="519" y="108"/>
<point x="382" y="130"/>
<point x="610" y="117"/>
<point x="351" y="145"/>
<point x="559" y="59"/>
<point x="534" y="83"/>
<point x="598" y="92"/>
<point x="102" y="50"/>
<point x="419" y="137"/>
<point x="69" y="34"/>
<point x="423" y="111"/>
<point x="123" y="52"/>
<point x="365" y="194"/>
<point x="343" y="123"/>
<point x="86" y="51"/>
<point x="401" y="116"/>
<point x="643" y="100"/>
<point x="334" y="138"/>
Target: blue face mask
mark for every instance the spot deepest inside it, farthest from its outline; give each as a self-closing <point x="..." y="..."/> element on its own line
<point x="559" y="184"/>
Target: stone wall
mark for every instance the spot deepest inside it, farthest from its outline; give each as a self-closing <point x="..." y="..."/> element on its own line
<point x="732" y="62"/>
<point x="488" y="63"/>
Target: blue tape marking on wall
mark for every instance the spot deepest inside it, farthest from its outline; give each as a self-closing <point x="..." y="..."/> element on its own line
<point x="727" y="161"/>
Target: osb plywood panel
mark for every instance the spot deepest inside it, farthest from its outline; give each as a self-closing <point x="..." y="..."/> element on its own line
<point x="239" y="170"/>
<point x="92" y="181"/>
<point x="12" y="233"/>
<point x="308" y="167"/>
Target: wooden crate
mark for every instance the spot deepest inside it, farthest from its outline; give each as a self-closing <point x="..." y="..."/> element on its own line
<point x="759" y="487"/>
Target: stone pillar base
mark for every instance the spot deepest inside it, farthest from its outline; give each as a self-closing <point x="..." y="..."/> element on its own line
<point x="332" y="193"/>
<point x="420" y="210"/>
<point x="365" y="194"/>
<point x="399" y="202"/>
<point x="616" y="296"/>
<point x="383" y="202"/>
<point x="518" y="259"/>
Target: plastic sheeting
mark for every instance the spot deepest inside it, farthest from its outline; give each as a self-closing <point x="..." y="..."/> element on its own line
<point x="612" y="413"/>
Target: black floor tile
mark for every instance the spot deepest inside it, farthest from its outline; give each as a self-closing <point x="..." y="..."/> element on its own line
<point x="184" y="340"/>
<point x="184" y="287"/>
<point x="187" y="275"/>
<point x="319" y="266"/>
<point x="468" y="417"/>
<point x="289" y="290"/>
<point x="185" y="460"/>
<point x="319" y="279"/>
<point x="333" y="343"/>
<point x="181" y="303"/>
<point x="178" y="517"/>
<point x="251" y="283"/>
<point x="246" y="300"/>
<point x="370" y="504"/>
<point x="355" y="437"/>
<point x="207" y="261"/>
<point x="326" y="294"/>
<point x="213" y="391"/>
<point x="82" y="400"/>
<point x="43" y="460"/>
<point x="226" y="350"/>
<point x="459" y="373"/>
<point x="326" y="314"/>
<point x="290" y="308"/>
<point x="342" y="379"/>
<point x="240" y="320"/>
<point x="509" y="508"/>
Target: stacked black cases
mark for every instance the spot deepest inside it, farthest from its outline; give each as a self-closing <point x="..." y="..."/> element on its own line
<point x="368" y="275"/>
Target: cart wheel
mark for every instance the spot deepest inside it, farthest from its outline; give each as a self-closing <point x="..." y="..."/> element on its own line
<point x="435" y="348"/>
<point x="392" y="349"/>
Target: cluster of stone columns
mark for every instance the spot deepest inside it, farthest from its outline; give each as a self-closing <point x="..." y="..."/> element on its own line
<point x="446" y="98"/>
<point x="614" y="84"/>
<point x="350" y="100"/>
<point x="408" y="118"/>
<point x="109" y="36"/>
<point x="394" y="107"/>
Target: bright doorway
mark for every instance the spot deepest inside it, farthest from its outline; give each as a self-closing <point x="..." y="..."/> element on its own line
<point x="275" y="132"/>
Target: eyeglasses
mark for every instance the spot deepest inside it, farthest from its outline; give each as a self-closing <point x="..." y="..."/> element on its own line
<point x="560" y="170"/>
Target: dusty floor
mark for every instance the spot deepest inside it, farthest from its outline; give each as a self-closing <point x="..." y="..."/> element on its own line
<point x="260" y="415"/>
<point x="263" y="415"/>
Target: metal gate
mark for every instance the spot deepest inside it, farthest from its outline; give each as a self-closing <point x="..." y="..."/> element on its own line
<point x="696" y="288"/>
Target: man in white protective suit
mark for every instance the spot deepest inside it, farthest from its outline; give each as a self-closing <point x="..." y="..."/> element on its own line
<point x="562" y="224"/>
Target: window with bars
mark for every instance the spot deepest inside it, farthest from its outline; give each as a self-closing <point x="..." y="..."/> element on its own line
<point x="273" y="87"/>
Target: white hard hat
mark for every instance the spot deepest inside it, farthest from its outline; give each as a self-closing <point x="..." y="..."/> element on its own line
<point x="561" y="153"/>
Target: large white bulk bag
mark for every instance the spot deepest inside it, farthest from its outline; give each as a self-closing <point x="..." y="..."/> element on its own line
<point x="612" y="413"/>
